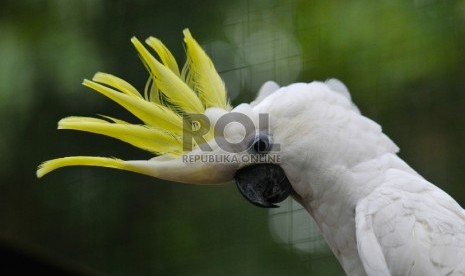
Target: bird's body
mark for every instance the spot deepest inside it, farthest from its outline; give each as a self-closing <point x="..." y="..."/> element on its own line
<point x="378" y="215"/>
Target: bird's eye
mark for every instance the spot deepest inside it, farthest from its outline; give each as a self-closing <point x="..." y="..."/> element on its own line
<point x="261" y="144"/>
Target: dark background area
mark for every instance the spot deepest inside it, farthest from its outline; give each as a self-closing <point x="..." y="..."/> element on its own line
<point x="403" y="61"/>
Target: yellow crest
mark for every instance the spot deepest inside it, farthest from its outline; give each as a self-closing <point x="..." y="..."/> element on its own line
<point x="170" y="95"/>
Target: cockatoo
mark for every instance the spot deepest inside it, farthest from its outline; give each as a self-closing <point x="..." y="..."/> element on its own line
<point x="305" y="140"/>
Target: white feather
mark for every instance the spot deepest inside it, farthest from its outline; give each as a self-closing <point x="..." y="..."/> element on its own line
<point x="378" y="216"/>
<point x="267" y="89"/>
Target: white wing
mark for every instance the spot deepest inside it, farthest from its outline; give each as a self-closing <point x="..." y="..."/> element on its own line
<point x="410" y="227"/>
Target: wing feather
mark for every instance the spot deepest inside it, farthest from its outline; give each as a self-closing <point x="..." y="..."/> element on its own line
<point x="415" y="227"/>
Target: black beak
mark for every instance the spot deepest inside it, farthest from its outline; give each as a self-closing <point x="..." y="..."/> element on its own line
<point x="263" y="184"/>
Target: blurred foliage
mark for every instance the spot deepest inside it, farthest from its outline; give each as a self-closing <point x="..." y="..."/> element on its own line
<point x="404" y="62"/>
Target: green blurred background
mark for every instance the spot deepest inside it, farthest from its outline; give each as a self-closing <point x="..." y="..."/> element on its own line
<point x="404" y="62"/>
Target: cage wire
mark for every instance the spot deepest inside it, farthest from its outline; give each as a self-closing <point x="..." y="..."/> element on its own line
<point x="260" y="46"/>
<point x="403" y="54"/>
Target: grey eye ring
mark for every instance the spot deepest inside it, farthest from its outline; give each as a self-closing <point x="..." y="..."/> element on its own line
<point x="261" y="144"/>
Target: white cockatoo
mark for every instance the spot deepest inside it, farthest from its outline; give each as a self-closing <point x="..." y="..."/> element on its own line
<point x="307" y="140"/>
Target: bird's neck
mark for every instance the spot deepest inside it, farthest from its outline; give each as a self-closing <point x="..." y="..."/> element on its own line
<point x="331" y="195"/>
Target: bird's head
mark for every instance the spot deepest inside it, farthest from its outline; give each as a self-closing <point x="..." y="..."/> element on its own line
<point x="188" y="124"/>
<point x="196" y="137"/>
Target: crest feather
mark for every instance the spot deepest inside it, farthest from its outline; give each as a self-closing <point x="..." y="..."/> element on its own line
<point x="150" y="113"/>
<point x="201" y="75"/>
<point x="165" y="55"/>
<point x="151" y="91"/>
<point x="106" y="162"/>
<point x="116" y="83"/>
<point x="154" y="140"/>
<point x="176" y="90"/>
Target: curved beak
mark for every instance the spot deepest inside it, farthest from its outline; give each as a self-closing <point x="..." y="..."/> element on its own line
<point x="263" y="184"/>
